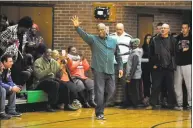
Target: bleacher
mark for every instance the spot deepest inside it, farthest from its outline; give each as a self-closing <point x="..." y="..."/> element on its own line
<point x="34" y="96"/>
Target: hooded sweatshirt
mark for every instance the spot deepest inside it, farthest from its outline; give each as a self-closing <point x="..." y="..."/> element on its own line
<point x="133" y="70"/>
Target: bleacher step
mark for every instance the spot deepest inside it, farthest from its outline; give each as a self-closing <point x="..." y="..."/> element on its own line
<point x="18" y="101"/>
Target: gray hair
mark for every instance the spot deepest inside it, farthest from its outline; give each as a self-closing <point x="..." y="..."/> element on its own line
<point x="101" y="26"/>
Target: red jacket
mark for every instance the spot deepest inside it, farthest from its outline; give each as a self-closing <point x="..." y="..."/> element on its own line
<point x="78" y="68"/>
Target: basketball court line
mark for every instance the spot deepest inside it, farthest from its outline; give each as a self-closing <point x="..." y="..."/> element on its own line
<point x="64" y="121"/>
<point x="168" y="122"/>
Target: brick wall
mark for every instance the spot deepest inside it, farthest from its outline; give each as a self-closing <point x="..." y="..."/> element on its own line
<point x="126" y="13"/>
<point x="64" y="34"/>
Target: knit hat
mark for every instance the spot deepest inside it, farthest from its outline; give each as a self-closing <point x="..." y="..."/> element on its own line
<point x="36" y="27"/>
<point x="135" y="42"/>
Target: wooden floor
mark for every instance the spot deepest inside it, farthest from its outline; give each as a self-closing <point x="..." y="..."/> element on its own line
<point x="116" y="118"/>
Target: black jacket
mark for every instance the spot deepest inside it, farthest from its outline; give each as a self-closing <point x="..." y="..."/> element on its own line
<point x="159" y="52"/>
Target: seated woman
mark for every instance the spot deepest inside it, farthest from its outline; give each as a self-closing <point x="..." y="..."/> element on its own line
<point x="66" y="82"/>
<point x="78" y="65"/>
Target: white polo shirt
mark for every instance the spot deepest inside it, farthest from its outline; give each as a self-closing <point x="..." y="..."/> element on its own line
<point x="123" y="39"/>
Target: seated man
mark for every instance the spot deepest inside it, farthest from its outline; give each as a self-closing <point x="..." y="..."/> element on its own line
<point x="78" y="65"/>
<point x="8" y="88"/>
<point x="45" y="71"/>
<point x="3" y="115"/>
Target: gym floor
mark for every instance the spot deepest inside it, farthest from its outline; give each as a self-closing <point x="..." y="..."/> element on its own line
<point x="116" y="118"/>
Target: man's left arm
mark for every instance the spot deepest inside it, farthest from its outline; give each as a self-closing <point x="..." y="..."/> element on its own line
<point x="119" y="61"/>
<point x="10" y="81"/>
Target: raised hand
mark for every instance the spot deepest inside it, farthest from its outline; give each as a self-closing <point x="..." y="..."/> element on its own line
<point x="75" y="21"/>
<point x="82" y="55"/>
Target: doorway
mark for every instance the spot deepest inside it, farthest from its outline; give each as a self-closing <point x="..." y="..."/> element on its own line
<point x="145" y="26"/>
<point x="42" y="16"/>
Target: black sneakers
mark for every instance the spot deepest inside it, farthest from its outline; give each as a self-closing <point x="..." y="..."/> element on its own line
<point x="4" y="116"/>
<point x="14" y="114"/>
<point x="49" y="108"/>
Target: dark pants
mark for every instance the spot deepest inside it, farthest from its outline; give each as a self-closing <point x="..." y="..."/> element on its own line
<point x="51" y="87"/>
<point x="19" y="72"/>
<point x="119" y="93"/>
<point x="163" y="95"/>
<point x="64" y="93"/>
<point x="104" y="88"/>
<point x="134" y="91"/>
<point x="146" y="73"/>
<point x="158" y="76"/>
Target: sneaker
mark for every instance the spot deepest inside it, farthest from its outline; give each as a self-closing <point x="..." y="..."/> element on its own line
<point x="76" y="103"/>
<point x="70" y="108"/>
<point x="100" y="117"/>
<point x="178" y="108"/>
<point x="14" y="114"/>
<point x="149" y="107"/>
<point x="145" y="101"/>
<point x="49" y="108"/>
<point x="4" y="116"/>
<point x="189" y="107"/>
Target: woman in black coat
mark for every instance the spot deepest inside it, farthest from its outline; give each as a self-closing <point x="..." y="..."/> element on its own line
<point x="146" y="67"/>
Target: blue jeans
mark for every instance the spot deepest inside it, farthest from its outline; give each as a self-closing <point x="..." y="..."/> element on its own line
<point x="11" y="100"/>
